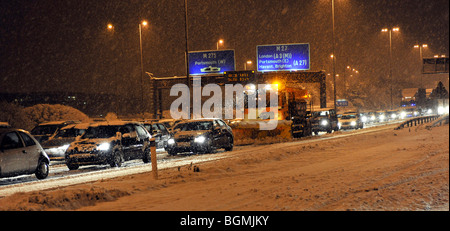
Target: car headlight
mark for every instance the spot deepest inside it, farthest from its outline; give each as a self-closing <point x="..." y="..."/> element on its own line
<point x="364" y="119"/>
<point x="324" y="122"/>
<point x="381" y="117"/>
<point x="199" y="139"/>
<point x="339" y="124"/>
<point x="171" y="141"/>
<point x="372" y="118"/>
<point x="353" y="123"/>
<point x="104" y="147"/>
<point x="403" y="114"/>
<point x="393" y="116"/>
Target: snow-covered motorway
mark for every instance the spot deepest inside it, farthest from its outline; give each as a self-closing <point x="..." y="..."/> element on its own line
<point x="60" y="175"/>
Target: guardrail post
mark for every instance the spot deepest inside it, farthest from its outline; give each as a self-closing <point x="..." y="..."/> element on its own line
<point x="153" y="158"/>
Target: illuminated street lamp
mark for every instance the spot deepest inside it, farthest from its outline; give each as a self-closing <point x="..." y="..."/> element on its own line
<point x="345" y="80"/>
<point x="420" y="47"/>
<point x="143" y="23"/>
<point x="249" y="62"/>
<point x="220" y="42"/>
<point x="110" y="28"/>
<point x="395" y="29"/>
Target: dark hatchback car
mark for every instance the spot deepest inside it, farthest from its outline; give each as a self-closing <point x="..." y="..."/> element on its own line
<point x="200" y="136"/>
<point x="21" y="153"/>
<point x="110" y="143"/>
<point x="44" y="131"/>
<point x="324" y="121"/>
<point x="56" y="145"/>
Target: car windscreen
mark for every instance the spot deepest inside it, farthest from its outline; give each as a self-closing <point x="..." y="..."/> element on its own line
<point x="151" y="127"/>
<point x="71" y="132"/>
<point x="194" y="126"/>
<point x="44" y="129"/>
<point x="351" y="116"/>
<point x="101" y="132"/>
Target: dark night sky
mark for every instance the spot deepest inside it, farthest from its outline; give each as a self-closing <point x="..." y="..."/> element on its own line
<point x="52" y="45"/>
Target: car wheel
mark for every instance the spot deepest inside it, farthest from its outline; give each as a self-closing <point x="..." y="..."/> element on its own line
<point x="42" y="170"/>
<point x="116" y="159"/>
<point x="230" y="144"/>
<point x="172" y="152"/>
<point x="72" y="166"/>
<point x="147" y="155"/>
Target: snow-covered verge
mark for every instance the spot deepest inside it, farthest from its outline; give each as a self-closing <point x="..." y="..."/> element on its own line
<point x="406" y="169"/>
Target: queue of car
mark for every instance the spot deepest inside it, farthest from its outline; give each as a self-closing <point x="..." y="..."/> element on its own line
<point x="104" y="142"/>
<point x="113" y="142"/>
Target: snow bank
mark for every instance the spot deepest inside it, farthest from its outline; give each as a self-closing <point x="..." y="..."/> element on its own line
<point x="40" y="113"/>
<point x="248" y="132"/>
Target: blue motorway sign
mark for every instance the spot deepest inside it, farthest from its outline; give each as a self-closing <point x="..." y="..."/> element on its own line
<point x="341" y="103"/>
<point x="211" y="62"/>
<point x="283" y="57"/>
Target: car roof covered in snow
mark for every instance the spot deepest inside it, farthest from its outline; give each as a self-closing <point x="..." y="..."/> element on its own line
<point x="4" y="125"/>
<point x="5" y="130"/>
<point x="59" y="122"/>
<point x="113" y="123"/>
<point x="199" y="120"/>
<point x="77" y="126"/>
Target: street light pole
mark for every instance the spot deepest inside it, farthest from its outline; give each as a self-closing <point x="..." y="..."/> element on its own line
<point x="334" y="56"/>
<point x="390" y="58"/>
<point x="390" y="63"/>
<point x="110" y="28"/>
<point x="420" y="59"/>
<point x="188" y="82"/>
<point x="245" y="64"/>
<point x="345" y="81"/>
<point x="142" y="68"/>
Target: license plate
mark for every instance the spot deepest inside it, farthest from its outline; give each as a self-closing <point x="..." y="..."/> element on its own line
<point x="184" y="144"/>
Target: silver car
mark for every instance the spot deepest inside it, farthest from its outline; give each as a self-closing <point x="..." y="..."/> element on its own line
<point x="21" y="153"/>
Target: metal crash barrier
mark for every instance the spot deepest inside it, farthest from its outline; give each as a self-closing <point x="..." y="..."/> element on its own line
<point x="417" y="121"/>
